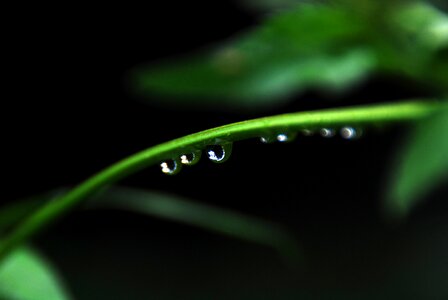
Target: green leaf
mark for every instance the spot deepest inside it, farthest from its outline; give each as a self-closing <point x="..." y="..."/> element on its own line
<point x="414" y="44"/>
<point x="421" y="166"/>
<point x="24" y="275"/>
<point x="309" y="47"/>
<point x="323" y="47"/>
<point x="423" y="25"/>
<point x="214" y="219"/>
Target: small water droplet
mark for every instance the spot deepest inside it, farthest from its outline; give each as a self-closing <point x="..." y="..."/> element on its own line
<point x="327" y="132"/>
<point x="307" y="132"/>
<point x="268" y="139"/>
<point x="219" y="153"/>
<point x="281" y="137"/>
<point x="350" y="132"/>
<point x="190" y="159"/>
<point x="170" y="167"/>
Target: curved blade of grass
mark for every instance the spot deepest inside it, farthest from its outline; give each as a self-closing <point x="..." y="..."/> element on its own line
<point x="214" y="219"/>
<point x="25" y="275"/>
<point x="379" y="114"/>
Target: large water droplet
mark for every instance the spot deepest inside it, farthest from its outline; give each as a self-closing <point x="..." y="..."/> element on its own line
<point x="327" y="132"/>
<point x="349" y="133"/>
<point x="170" y="167"/>
<point x="283" y="137"/>
<point x="192" y="158"/>
<point x="219" y="153"/>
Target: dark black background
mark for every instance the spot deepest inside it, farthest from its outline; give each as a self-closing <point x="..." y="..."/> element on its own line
<point x="68" y="113"/>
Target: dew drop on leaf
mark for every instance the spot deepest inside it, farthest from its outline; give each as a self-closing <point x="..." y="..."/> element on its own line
<point x="268" y="139"/>
<point x="307" y="132"/>
<point x="349" y="133"/>
<point x="327" y="132"/>
<point x="219" y="153"/>
<point x="190" y="159"/>
<point x="285" y="137"/>
<point x="281" y="137"/>
<point x="170" y="167"/>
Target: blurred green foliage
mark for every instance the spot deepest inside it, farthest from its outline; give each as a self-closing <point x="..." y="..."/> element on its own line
<point x="323" y="47"/>
<point x="422" y="164"/>
<point x="217" y="220"/>
<point x="309" y="46"/>
<point x="25" y="275"/>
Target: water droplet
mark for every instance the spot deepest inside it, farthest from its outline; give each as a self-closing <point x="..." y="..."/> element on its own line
<point x="307" y="132"/>
<point x="219" y="153"/>
<point x="192" y="158"/>
<point x="327" y="132"/>
<point x="282" y="137"/>
<point x="349" y="132"/>
<point x="268" y="139"/>
<point x="170" y="167"/>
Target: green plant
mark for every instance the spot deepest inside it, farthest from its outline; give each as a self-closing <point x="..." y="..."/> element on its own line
<point x="262" y="69"/>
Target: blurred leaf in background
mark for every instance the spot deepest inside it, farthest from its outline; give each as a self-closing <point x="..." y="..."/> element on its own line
<point x="323" y="47"/>
<point x="214" y="219"/>
<point x="422" y="165"/>
<point x="25" y="275"/>
<point x="175" y="208"/>
<point x="309" y="46"/>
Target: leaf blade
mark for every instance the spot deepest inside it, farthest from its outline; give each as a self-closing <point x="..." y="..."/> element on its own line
<point x="206" y="217"/>
<point x="25" y="275"/>
<point x="293" y="51"/>
<point x="415" y="172"/>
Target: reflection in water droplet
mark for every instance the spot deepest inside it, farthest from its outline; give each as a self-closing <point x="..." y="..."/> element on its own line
<point x="219" y="153"/>
<point x="286" y="137"/>
<point x="327" y="132"/>
<point x="282" y="137"/>
<point x="349" y="133"/>
<point x="190" y="159"/>
<point x="170" y="167"/>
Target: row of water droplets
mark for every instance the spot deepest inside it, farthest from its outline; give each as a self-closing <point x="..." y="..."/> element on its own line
<point x="219" y="153"/>
<point x="347" y="132"/>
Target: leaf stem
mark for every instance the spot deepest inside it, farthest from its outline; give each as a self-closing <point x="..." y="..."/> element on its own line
<point x="378" y="114"/>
